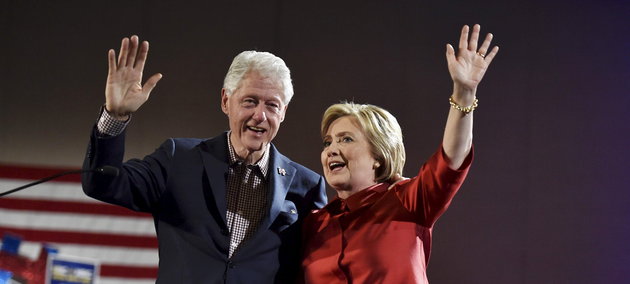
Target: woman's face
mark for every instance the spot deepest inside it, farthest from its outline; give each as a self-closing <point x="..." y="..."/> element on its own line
<point x="347" y="158"/>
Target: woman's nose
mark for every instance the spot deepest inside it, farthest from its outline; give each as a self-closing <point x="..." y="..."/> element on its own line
<point x="332" y="150"/>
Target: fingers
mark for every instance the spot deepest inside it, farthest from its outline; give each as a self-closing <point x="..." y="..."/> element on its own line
<point x="132" y="54"/>
<point x="492" y="53"/>
<point x="122" y="54"/>
<point x="463" y="38"/>
<point x="133" y="51"/>
<point x="474" y="38"/>
<point x="111" y="61"/>
<point x="471" y="44"/>
<point x="486" y="44"/>
<point x="142" y="55"/>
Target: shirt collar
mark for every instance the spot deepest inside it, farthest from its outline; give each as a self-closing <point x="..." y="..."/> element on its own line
<point x="362" y="198"/>
<point x="262" y="163"/>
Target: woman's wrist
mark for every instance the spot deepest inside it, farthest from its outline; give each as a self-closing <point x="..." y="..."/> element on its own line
<point x="465" y="108"/>
<point x="463" y="95"/>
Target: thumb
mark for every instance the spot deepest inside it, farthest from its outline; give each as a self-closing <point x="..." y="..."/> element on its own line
<point x="450" y="53"/>
<point x="151" y="83"/>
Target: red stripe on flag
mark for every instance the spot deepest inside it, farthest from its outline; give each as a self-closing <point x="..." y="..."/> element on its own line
<point x="65" y="237"/>
<point x="69" y="207"/>
<point x="32" y="173"/>
<point x="128" y="271"/>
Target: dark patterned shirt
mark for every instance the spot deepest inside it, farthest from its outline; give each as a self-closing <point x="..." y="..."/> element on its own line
<point x="246" y="197"/>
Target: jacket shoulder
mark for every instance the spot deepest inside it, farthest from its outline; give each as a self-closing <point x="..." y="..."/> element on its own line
<point x="185" y="144"/>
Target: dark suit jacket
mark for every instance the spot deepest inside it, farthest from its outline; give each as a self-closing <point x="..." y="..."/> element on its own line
<point x="183" y="185"/>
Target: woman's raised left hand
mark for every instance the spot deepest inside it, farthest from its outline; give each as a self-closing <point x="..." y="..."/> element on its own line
<point x="468" y="66"/>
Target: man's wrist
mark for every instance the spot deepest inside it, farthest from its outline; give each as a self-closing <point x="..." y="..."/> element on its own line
<point x="111" y="124"/>
<point x="118" y="116"/>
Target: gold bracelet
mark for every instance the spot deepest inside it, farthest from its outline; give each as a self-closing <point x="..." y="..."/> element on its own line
<point x="465" y="110"/>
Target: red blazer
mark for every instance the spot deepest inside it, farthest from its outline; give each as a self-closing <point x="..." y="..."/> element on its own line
<point x="379" y="235"/>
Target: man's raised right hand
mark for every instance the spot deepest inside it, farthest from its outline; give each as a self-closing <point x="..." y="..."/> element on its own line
<point x="124" y="92"/>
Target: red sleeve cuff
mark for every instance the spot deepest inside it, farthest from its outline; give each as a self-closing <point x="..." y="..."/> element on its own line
<point x="445" y="171"/>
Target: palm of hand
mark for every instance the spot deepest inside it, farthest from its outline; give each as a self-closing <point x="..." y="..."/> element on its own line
<point x="468" y="67"/>
<point x="124" y="91"/>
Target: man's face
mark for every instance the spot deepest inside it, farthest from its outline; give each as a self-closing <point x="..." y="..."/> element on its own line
<point x="255" y="110"/>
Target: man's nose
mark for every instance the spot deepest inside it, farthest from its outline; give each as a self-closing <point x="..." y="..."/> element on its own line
<point x="259" y="114"/>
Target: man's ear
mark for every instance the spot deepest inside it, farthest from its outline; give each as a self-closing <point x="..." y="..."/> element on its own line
<point x="284" y="113"/>
<point x="224" y="101"/>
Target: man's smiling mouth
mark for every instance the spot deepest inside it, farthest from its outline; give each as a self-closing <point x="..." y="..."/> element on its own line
<point x="256" y="129"/>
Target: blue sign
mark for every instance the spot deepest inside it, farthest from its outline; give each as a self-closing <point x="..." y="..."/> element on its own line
<point x="71" y="270"/>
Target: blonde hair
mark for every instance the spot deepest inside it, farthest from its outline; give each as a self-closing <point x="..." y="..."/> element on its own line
<point x="382" y="130"/>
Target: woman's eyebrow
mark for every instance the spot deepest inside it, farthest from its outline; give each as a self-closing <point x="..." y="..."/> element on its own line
<point x="343" y="133"/>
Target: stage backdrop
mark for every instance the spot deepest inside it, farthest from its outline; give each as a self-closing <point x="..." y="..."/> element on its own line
<point x="546" y="200"/>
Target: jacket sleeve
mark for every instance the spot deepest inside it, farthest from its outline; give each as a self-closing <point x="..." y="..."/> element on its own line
<point x="138" y="184"/>
<point x="430" y="193"/>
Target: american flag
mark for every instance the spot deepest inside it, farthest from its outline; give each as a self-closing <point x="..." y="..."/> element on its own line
<point x="60" y="214"/>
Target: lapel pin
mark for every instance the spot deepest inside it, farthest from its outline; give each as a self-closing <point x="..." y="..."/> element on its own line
<point x="293" y="211"/>
<point x="282" y="171"/>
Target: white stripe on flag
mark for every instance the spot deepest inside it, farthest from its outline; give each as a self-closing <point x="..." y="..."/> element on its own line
<point x="73" y="222"/>
<point x="66" y="191"/>
<point x="105" y="254"/>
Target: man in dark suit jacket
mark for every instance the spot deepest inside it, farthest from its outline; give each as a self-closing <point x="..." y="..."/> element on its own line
<point x="228" y="209"/>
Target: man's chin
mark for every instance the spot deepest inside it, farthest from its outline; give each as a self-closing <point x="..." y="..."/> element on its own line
<point x="255" y="143"/>
<point x="254" y="146"/>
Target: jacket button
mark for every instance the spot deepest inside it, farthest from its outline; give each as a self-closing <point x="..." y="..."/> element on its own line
<point x="231" y="264"/>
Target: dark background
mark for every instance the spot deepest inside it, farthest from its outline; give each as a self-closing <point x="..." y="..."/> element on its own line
<point x="547" y="197"/>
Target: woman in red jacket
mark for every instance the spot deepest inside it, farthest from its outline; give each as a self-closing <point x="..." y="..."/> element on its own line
<point x="374" y="231"/>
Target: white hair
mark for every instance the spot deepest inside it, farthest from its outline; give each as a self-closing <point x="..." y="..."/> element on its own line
<point x="266" y="64"/>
